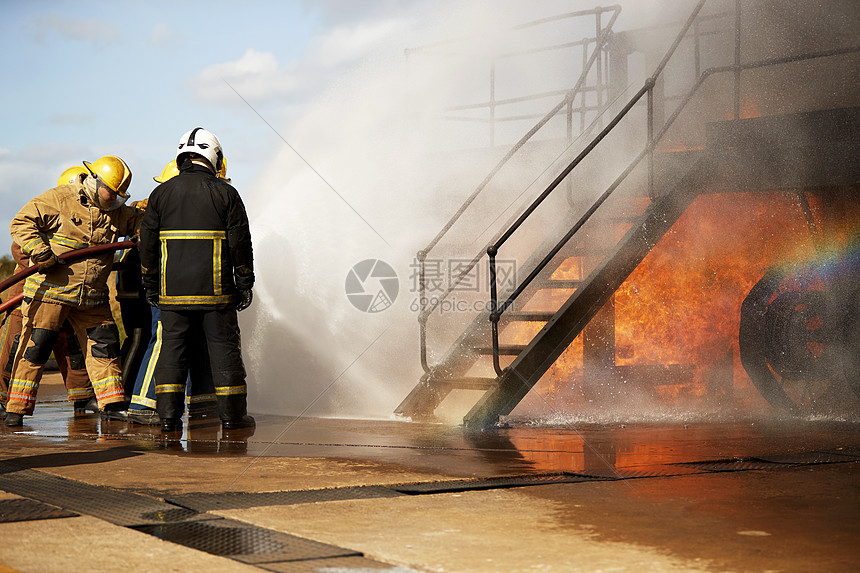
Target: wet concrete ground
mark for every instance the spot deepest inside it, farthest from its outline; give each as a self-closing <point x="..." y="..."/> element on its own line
<point x="758" y="495"/>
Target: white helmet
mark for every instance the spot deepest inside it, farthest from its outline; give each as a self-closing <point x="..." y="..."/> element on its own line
<point x="203" y="143"/>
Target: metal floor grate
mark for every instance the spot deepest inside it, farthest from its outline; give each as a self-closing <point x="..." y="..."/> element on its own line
<point x="243" y="500"/>
<point x="181" y="519"/>
<point x="493" y="483"/>
<point x="733" y="465"/>
<point x="243" y="542"/>
<point x="335" y="565"/>
<point x="810" y="458"/>
<point x="641" y="472"/>
<point x="115" y="506"/>
<point x="29" y="510"/>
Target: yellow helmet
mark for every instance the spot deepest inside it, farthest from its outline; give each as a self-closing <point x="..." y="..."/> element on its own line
<point x="71" y="175"/>
<point x="169" y="172"/>
<point x="113" y="172"/>
<point x="222" y="173"/>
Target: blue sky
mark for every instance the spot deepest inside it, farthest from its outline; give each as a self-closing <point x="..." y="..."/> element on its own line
<point x="87" y="78"/>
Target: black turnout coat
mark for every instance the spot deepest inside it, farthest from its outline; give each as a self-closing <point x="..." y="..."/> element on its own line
<point x="195" y="242"/>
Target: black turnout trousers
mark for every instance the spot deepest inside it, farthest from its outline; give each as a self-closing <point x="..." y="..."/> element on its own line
<point x="220" y="328"/>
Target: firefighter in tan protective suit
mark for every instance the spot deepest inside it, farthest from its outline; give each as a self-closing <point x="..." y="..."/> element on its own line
<point x="89" y="212"/>
<point x="67" y="350"/>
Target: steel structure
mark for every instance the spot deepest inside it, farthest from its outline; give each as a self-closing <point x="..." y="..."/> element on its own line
<point x="807" y="149"/>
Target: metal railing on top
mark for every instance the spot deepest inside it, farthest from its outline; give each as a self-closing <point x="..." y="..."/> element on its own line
<point x="599" y="65"/>
<point x="647" y="89"/>
<point x="600" y="42"/>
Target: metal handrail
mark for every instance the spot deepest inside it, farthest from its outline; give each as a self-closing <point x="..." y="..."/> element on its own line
<point x="492" y="250"/>
<point x="601" y="41"/>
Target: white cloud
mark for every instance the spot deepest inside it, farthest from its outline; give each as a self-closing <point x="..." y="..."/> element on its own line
<point x="29" y="171"/>
<point x="97" y="32"/>
<point x="257" y="76"/>
<point x="163" y="35"/>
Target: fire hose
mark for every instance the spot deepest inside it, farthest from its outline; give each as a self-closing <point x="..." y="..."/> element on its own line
<point x="71" y="256"/>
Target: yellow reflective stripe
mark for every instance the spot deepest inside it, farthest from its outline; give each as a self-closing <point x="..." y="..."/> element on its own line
<point x="97" y="384"/>
<point x="163" y="235"/>
<point x="216" y="267"/>
<point x="163" y="287"/>
<point x="142" y="401"/>
<point x="230" y="390"/>
<point x="168" y="388"/>
<point x="150" y="367"/>
<point x="67" y="241"/>
<point x="83" y="392"/>
<point x="24" y="383"/>
<point x="201" y="398"/>
<point x="28" y="248"/>
<point x="217" y="237"/>
<point x="38" y="287"/>
<point x="196" y="299"/>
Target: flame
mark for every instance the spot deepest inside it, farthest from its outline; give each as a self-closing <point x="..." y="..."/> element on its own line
<point x="682" y="304"/>
<point x="680" y="308"/>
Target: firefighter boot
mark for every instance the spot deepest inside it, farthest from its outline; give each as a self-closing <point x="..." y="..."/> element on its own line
<point x="237" y="423"/>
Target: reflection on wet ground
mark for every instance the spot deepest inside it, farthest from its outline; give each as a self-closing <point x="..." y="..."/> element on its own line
<point x="515" y="450"/>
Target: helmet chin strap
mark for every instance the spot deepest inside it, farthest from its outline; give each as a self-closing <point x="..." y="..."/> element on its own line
<point x="91" y="186"/>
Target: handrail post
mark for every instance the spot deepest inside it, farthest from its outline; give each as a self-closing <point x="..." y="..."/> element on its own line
<point x="493" y="103"/>
<point x="737" y="87"/>
<point x="570" y="119"/>
<point x="650" y="86"/>
<point x="494" y="308"/>
<point x="583" y="100"/>
<point x="422" y="316"/>
<point x="598" y="62"/>
<point x="697" y="50"/>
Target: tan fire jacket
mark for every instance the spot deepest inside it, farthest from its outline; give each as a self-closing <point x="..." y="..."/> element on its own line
<point x="63" y="219"/>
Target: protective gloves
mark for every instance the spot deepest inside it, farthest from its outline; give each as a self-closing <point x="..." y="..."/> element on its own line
<point x="152" y="297"/>
<point x="245" y="298"/>
<point x="46" y="261"/>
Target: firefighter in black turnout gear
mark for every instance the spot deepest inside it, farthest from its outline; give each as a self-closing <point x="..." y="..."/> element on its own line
<point x="198" y="269"/>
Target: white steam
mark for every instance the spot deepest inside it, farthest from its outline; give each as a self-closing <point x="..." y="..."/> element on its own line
<point x="369" y="172"/>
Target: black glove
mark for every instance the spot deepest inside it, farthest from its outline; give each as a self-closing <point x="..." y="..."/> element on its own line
<point x="152" y="297"/>
<point x="46" y="261"/>
<point x="245" y="298"/>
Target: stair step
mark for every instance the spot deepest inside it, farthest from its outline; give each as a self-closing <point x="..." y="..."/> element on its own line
<point x="529" y="316"/>
<point x="624" y="218"/>
<point x="588" y="251"/>
<point x="469" y="383"/>
<point x="508" y="350"/>
<point x="558" y="284"/>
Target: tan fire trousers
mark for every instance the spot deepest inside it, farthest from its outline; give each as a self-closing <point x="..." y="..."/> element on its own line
<point x="41" y="322"/>
<point x="69" y="359"/>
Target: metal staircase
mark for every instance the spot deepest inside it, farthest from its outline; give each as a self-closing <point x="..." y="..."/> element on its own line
<point x="612" y="237"/>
